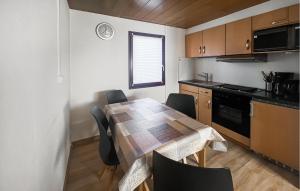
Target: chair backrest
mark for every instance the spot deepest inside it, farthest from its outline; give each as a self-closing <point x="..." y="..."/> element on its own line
<point x="106" y="148"/>
<point x="115" y="96"/>
<point x="183" y="103"/>
<point x="171" y="175"/>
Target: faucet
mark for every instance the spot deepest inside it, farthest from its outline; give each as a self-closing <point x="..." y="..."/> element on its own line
<point x="204" y="75"/>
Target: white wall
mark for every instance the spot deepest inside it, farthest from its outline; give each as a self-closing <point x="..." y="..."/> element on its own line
<point x="247" y="74"/>
<point x="34" y="112"/>
<point x="98" y="65"/>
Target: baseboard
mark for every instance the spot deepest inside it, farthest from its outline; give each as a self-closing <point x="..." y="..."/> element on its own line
<point x="85" y="141"/>
<point x="68" y="168"/>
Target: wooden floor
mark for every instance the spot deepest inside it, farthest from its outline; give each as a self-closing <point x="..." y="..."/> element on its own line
<point x="250" y="172"/>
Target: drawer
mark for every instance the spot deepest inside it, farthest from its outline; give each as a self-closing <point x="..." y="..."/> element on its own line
<point x="188" y="88"/>
<point x="204" y="91"/>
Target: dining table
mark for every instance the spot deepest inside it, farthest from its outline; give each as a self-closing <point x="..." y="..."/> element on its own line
<point x="140" y="126"/>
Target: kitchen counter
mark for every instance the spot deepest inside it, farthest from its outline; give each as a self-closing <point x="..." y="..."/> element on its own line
<point x="267" y="97"/>
<point x="260" y="95"/>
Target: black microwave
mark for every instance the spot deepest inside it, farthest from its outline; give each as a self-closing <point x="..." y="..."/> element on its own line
<point x="282" y="38"/>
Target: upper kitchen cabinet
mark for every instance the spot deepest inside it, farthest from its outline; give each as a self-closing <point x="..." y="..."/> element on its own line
<point x="214" y="41"/>
<point x="294" y="14"/>
<point x="271" y="19"/>
<point x="193" y="43"/>
<point x="238" y="37"/>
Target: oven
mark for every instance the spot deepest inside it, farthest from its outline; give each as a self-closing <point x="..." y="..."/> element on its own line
<point x="232" y="111"/>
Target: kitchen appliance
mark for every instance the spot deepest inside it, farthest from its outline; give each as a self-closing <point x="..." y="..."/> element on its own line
<point x="283" y="38"/>
<point x="231" y="109"/>
<point x="292" y="88"/>
<point x="250" y="58"/>
<point x="280" y="82"/>
<point x="238" y="88"/>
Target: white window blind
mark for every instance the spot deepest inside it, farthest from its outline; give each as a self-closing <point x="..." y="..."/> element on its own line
<point x="147" y="60"/>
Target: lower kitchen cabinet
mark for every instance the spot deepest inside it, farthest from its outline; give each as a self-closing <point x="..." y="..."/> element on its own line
<point x="275" y="133"/>
<point x="204" y="106"/>
<point x="203" y="99"/>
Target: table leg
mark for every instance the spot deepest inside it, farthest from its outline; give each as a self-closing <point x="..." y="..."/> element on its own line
<point x="144" y="187"/>
<point x="201" y="157"/>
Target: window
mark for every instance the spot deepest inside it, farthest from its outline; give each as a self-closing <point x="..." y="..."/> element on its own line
<point x="146" y="60"/>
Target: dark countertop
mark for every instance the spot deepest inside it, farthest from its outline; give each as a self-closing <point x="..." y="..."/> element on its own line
<point x="267" y="97"/>
<point x="259" y="95"/>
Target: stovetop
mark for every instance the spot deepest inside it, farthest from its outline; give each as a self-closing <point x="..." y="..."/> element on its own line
<point x="239" y="88"/>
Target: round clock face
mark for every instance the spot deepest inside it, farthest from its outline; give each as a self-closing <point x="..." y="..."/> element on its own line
<point x="105" y="31"/>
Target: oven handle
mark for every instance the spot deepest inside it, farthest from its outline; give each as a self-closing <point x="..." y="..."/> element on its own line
<point x="251" y="109"/>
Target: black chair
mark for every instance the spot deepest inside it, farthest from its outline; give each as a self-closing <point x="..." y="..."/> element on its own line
<point x="106" y="146"/>
<point x="115" y="96"/>
<point x="183" y="103"/>
<point x="171" y="175"/>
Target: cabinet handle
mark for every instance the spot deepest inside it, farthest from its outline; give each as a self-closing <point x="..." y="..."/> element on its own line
<point x="203" y="51"/>
<point x="247" y="44"/>
<point x="196" y="100"/>
<point x="209" y="103"/>
<point x="205" y="92"/>
<point x="199" y="50"/>
<point x="276" y="22"/>
<point x="251" y="109"/>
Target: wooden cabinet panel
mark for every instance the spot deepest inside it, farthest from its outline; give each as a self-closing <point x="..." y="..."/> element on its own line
<point x="271" y="19"/>
<point x="294" y="14"/>
<point x="193" y="45"/>
<point x="203" y="101"/>
<point x="189" y="88"/>
<point x="214" y="41"/>
<point x="275" y="133"/>
<point x="205" y="91"/>
<point x="204" y="108"/>
<point x="238" y="37"/>
<point x="195" y="98"/>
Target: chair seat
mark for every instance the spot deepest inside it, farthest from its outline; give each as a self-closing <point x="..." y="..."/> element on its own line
<point x="172" y="175"/>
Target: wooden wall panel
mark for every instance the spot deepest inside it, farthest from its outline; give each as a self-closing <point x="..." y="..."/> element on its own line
<point x="178" y="13"/>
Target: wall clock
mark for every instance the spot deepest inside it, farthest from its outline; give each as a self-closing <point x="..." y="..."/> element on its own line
<point x="105" y="31"/>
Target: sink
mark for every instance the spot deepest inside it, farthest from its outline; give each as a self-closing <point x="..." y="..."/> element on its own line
<point x="204" y="83"/>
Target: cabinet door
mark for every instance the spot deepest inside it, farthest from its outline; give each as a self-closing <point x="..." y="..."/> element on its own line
<point x="271" y="19"/>
<point x="214" y="41"/>
<point x="294" y="14"/>
<point x="193" y="45"/>
<point x="238" y="37"/>
<point x="275" y="133"/>
<point x="195" y="98"/>
<point x="204" y="106"/>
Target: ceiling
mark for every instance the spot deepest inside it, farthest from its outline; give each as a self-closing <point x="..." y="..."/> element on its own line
<point x="177" y="13"/>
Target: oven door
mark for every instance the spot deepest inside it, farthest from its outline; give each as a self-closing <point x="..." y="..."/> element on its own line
<point x="232" y="112"/>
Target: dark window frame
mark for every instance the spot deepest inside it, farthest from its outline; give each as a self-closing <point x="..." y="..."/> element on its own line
<point x="130" y="61"/>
